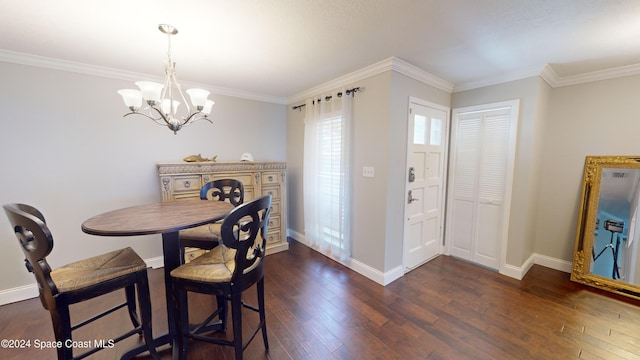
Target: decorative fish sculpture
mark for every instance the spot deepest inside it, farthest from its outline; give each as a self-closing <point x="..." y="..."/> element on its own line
<point x="198" y="158"/>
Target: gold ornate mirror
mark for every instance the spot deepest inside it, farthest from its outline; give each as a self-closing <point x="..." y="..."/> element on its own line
<point x="608" y="234"/>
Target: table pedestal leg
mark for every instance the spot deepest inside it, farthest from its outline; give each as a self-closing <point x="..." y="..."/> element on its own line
<point x="172" y="259"/>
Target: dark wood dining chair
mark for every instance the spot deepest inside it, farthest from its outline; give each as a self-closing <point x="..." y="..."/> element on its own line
<point x="208" y="236"/>
<point x="80" y="281"/>
<point x="226" y="271"/>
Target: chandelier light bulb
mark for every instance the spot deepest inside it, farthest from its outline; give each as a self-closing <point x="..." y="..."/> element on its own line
<point x="168" y="110"/>
<point x="132" y="98"/>
<point x="151" y="91"/>
<point x="207" y="107"/>
<point x="198" y="97"/>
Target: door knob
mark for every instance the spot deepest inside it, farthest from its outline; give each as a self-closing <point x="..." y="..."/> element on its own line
<point x="410" y="198"/>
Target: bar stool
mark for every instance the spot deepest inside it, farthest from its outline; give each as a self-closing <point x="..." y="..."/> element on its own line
<point x="226" y="271"/>
<point x="81" y="280"/>
<point x="208" y="236"/>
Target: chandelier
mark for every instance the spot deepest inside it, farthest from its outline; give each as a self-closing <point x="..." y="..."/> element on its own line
<point x="162" y="107"/>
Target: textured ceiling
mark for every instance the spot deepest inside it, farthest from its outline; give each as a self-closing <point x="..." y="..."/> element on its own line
<point x="280" y="48"/>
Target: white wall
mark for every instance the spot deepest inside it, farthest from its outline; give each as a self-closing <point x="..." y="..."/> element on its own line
<point x="597" y="118"/>
<point x="66" y="149"/>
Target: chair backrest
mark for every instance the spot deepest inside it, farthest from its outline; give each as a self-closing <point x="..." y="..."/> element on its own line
<point x="245" y="230"/>
<point x="36" y="243"/>
<point x="223" y="189"/>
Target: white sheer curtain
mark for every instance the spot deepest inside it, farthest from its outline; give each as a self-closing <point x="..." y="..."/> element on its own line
<point x="327" y="174"/>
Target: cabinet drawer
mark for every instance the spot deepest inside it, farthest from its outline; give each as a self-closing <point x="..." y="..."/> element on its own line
<point x="274" y="223"/>
<point x="186" y="183"/>
<point x="186" y="195"/>
<point x="273" y="237"/>
<point x="273" y="191"/>
<point x="275" y="209"/>
<point x="245" y="179"/>
<point x="270" y="178"/>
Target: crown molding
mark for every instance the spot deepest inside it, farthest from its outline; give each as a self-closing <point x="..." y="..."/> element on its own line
<point x="110" y="73"/>
<point x="548" y="74"/>
<point x="621" y="71"/>
<point x="416" y="73"/>
<point x="389" y="64"/>
<point x="371" y="70"/>
<point x="516" y="75"/>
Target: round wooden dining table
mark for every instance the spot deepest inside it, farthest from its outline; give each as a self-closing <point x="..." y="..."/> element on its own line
<point x="166" y="218"/>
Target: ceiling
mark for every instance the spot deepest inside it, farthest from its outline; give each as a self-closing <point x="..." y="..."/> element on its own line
<point x="280" y="48"/>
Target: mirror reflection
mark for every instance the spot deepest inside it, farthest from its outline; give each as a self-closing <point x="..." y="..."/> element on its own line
<point x="615" y="245"/>
<point x="608" y="238"/>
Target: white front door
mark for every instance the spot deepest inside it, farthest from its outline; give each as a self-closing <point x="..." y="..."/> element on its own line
<point x="425" y="182"/>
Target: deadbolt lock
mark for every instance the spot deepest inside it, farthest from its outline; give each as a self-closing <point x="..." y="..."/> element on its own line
<point x="412" y="174"/>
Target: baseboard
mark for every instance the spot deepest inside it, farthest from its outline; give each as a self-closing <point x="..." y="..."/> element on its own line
<point x="18" y="294"/>
<point x="297" y="237"/>
<point x="536" y="259"/>
<point x="518" y="272"/>
<point x="553" y="263"/>
<point x="382" y="278"/>
<point x="27" y="292"/>
<point x="392" y="275"/>
<point x="156" y="262"/>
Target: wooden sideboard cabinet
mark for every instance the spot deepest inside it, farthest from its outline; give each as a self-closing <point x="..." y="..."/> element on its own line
<point x="182" y="180"/>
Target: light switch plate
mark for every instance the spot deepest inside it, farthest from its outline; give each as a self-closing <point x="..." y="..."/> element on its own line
<point x="368" y="171"/>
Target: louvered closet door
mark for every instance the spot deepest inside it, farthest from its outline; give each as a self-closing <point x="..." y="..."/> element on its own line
<point x="479" y="157"/>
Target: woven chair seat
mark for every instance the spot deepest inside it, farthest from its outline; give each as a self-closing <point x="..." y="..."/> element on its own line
<point x="216" y="265"/>
<point x="97" y="269"/>
<point x="209" y="232"/>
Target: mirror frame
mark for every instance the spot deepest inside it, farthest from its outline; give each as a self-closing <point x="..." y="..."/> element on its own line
<point x="581" y="269"/>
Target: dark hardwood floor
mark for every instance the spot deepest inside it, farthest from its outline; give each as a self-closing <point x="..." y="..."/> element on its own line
<point x="446" y="309"/>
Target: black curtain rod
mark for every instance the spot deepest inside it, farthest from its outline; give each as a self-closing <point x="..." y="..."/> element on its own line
<point x="327" y="98"/>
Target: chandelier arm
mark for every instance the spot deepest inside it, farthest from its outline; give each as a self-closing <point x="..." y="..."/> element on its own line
<point x="168" y="70"/>
<point x="192" y="118"/>
<point x="177" y="84"/>
<point x="157" y="121"/>
<point x="162" y="116"/>
<point x="167" y="86"/>
<point x="191" y="121"/>
<point x="171" y="80"/>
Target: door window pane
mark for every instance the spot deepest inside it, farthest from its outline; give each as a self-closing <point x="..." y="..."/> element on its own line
<point x="419" y="129"/>
<point x="436" y="131"/>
